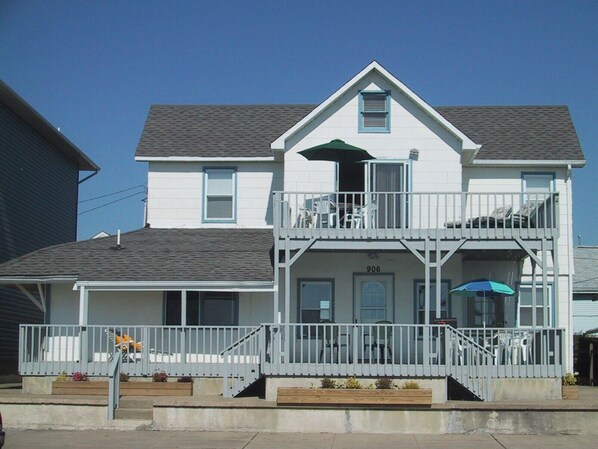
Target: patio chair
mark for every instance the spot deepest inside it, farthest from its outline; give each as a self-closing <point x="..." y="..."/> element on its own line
<point x="306" y="218"/>
<point x="357" y="219"/>
<point x="329" y="340"/>
<point x="380" y="341"/>
<point x="521" y="346"/>
<point x="526" y="216"/>
<point x="324" y="213"/>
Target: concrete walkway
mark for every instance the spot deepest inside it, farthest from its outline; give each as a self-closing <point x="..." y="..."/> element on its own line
<point x="62" y="439"/>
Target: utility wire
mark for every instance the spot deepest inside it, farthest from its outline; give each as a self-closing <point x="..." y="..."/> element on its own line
<point x="110" y="194"/>
<point x="111" y="202"/>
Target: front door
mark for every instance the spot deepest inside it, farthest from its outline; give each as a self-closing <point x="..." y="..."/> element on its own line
<point x="373" y="298"/>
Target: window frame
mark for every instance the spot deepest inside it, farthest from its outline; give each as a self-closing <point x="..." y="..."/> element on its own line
<point x="362" y="113"/>
<point x="198" y="319"/>
<point x="300" y="281"/>
<point x="548" y="302"/>
<point x="449" y="302"/>
<point x="206" y="194"/>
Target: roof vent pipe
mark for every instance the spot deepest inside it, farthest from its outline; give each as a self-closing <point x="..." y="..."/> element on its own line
<point x="118" y="239"/>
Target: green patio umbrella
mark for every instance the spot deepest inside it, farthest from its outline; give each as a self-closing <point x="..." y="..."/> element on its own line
<point x="483" y="287"/>
<point x="336" y="151"/>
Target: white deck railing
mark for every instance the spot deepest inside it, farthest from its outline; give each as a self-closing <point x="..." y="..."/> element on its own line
<point x="415" y="214"/>
<point x="242" y="353"/>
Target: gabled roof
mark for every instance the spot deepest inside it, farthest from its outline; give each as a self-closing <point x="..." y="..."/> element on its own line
<point x="515" y="133"/>
<point x="375" y="67"/>
<point x="215" y="131"/>
<point x="35" y="120"/>
<point x="586" y="269"/>
<point x="506" y="133"/>
<point x="152" y="255"/>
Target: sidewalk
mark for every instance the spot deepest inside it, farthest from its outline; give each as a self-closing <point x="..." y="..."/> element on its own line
<point x="47" y="439"/>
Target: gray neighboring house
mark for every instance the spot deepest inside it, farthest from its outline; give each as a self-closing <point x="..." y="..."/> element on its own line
<point x="585" y="289"/>
<point x="39" y="189"/>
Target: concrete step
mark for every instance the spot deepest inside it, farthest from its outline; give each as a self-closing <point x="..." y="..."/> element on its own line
<point x="136" y="402"/>
<point x="134" y="413"/>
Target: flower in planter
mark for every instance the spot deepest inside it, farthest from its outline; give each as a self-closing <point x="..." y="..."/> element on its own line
<point x="159" y="376"/>
<point x="62" y="377"/>
<point x="410" y="385"/>
<point x="79" y="377"/>
<point x="124" y="377"/>
<point x="384" y="383"/>
<point x="353" y="384"/>
<point x="185" y="380"/>
<point x="570" y="379"/>
<point x="328" y="383"/>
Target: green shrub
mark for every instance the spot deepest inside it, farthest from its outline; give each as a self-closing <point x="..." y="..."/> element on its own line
<point x="570" y="379"/>
<point x="328" y="383"/>
<point x="124" y="377"/>
<point x="384" y="383"/>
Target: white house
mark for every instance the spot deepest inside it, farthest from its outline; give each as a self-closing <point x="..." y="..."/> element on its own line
<point x="585" y="289"/>
<point x="258" y="262"/>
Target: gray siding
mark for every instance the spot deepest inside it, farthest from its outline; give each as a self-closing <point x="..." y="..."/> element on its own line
<point x="38" y="208"/>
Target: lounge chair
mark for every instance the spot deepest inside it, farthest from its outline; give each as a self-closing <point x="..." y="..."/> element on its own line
<point x="492" y="221"/>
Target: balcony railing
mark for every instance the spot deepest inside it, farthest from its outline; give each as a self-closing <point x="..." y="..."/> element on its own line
<point x="415" y="215"/>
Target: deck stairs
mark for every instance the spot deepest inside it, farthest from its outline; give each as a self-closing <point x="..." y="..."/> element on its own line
<point x="243" y="362"/>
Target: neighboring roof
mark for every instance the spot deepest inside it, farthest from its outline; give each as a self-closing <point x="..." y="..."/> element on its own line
<point x="154" y="255"/>
<point x="586" y="269"/>
<point x="35" y="120"/>
<point x="216" y="131"/>
<point x="536" y="133"/>
<point x="516" y="133"/>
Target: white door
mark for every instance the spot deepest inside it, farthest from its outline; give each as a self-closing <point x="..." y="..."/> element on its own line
<point x="373" y="298"/>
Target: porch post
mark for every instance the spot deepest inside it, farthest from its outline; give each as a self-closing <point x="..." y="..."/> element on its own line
<point x="83" y="321"/>
<point x="183" y="325"/>
<point x="438" y="278"/>
<point x="545" y="298"/>
<point x="534" y="295"/>
<point x="287" y="281"/>
<point x="426" y="333"/>
<point x="276" y="296"/>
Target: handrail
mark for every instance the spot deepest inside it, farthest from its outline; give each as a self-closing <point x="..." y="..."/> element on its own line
<point x="240" y="341"/>
<point x="114" y="384"/>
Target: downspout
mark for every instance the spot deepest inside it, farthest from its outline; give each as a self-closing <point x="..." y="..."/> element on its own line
<point x="570" y="269"/>
<point x="89" y="177"/>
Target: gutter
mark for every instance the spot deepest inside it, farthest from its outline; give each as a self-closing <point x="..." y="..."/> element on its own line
<point x="89" y="177"/>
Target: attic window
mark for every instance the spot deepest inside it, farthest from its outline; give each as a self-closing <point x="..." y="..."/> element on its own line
<point x="374" y="111"/>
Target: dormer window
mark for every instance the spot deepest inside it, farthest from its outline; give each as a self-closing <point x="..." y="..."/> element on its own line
<point x="374" y="111"/>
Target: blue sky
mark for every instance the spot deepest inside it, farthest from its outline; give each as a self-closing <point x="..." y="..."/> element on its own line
<point x="94" y="68"/>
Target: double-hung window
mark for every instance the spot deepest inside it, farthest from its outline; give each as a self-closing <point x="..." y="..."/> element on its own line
<point x="543" y="306"/>
<point x="374" y="111"/>
<point x="219" y="199"/>
<point x="315" y="302"/>
<point x="203" y="309"/>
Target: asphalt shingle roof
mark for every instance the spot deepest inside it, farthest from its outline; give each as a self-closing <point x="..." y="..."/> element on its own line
<point x="156" y="255"/>
<point x="216" y="131"/>
<point x="518" y="132"/>
<point x="505" y="132"/>
<point x="586" y="269"/>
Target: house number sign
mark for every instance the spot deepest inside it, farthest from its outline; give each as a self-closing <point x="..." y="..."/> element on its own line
<point x="373" y="268"/>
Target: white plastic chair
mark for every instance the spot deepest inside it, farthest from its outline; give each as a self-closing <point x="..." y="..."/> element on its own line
<point x="324" y="213"/>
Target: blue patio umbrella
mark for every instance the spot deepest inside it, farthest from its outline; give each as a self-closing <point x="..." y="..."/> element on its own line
<point x="483" y="287"/>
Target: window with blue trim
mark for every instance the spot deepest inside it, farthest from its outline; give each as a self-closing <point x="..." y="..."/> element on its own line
<point x="219" y="195"/>
<point x="374" y="111"/>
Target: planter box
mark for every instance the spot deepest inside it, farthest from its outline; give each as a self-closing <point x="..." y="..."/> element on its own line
<point x="356" y="398"/>
<point x="570" y="392"/>
<point x="100" y="388"/>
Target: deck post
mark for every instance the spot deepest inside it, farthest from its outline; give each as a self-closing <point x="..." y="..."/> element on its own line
<point x="183" y="326"/>
<point x="426" y="336"/>
<point x="534" y="294"/>
<point x="83" y="321"/>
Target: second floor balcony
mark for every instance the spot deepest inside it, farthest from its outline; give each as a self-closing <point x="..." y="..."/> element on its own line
<point x="416" y="215"/>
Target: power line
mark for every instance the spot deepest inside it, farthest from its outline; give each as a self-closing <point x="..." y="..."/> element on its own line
<point x="110" y="194"/>
<point x="111" y="202"/>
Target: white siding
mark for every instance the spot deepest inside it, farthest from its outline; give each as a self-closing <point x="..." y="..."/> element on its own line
<point x="438" y="167"/>
<point x="585" y="315"/>
<point x="175" y="192"/>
